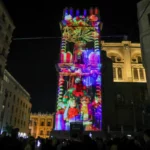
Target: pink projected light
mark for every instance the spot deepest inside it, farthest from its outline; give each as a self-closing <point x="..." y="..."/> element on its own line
<point x="79" y="86"/>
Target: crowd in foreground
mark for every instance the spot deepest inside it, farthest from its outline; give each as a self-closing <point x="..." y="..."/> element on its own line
<point x="84" y="142"/>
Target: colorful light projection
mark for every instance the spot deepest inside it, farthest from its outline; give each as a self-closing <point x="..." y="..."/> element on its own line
<point x="79" y="86"/>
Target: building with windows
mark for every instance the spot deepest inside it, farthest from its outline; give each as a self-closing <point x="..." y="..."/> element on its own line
<point x="124" y="99"/>
<point x="6" y="30"/>
<point x="127" y="61"/>
<point x="41" y="124"/>
<point x="15" y="101"/>
<point x="143" y="13"/>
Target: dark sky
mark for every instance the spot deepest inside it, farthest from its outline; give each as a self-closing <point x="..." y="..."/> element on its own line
<point x="32" y="62"/>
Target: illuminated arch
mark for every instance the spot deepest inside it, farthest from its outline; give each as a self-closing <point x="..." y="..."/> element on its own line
<point x="115" y="54"/>
<point x="136" y="56"/>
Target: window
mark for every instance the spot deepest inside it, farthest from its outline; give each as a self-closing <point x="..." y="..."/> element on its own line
<point x="48" y="123"/>
<point x="141" y="74"/>
<point x="16" y="110"/>
<point x="48" y="133"/>
<point x="42" y="123"/>
<point x="135" y="73"/>
<point x="6" y="79"/>
<point x="149" y="18"/>
<point x="119" y="59"/>
<point x="119" y="73"/>
<point x="133" y="60"/>
<point x="41" y="132"/>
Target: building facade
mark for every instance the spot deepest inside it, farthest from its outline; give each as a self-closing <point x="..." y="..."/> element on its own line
<point x="41" y="125"/>
<point x="127" y="61"/>
<point x="6" y="30"/>
<point x="15" y="101"/>
<point x="127" y="96"/>
<point x="143" y="8"/>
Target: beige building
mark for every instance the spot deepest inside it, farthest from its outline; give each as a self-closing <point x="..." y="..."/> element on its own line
<point x="6" y="30"/>
<point x="16" y="105"/>
<point x="127" y="61"/>
<point x="143" y="12"/>
<point x="41" y="125"/>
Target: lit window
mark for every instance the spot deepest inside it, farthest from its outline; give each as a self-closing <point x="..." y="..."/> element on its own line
<point x="135" y="73"/>
<point x="119" y="73"/>
<point x="141" y="74"/>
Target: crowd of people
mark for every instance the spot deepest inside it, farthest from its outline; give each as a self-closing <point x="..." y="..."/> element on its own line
<point x="84" y="142"/>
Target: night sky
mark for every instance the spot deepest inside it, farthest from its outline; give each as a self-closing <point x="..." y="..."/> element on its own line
<point x="32" y="62"/>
